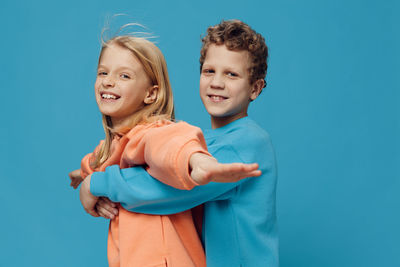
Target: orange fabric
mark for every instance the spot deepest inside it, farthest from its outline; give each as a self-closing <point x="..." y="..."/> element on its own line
<point x="155" y="240"/>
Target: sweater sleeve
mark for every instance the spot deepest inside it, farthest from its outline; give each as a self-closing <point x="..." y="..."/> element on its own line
<point x="166" y="149"/>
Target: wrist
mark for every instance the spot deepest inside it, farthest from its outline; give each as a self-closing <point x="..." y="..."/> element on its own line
<point x="86" y="184"/>
<point x="193" y="160"/>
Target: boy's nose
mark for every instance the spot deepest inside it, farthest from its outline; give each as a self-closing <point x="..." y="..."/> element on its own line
<point x="217" y="82"/>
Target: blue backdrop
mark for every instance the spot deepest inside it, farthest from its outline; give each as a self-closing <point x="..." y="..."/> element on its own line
<point x="331" y="106"/>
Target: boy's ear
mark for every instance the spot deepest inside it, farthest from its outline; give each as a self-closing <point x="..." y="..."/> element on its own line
<point x="151" y="95"/>
<point x="256" y="89"/>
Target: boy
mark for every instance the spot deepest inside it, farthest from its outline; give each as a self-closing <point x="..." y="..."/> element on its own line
<point x="239" y="224"/>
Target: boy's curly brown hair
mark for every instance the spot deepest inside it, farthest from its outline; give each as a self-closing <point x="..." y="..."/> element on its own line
<point x="237" y="35"/>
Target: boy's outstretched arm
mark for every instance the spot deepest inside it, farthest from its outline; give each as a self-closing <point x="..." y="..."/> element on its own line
<point x="205" y="169"/>
<point x="137" y="191"/>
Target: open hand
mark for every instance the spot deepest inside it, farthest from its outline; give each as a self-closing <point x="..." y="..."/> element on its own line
<point x="207" y="169"/>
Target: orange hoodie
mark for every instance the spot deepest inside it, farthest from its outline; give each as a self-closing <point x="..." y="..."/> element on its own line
<point x="155" y="240"/>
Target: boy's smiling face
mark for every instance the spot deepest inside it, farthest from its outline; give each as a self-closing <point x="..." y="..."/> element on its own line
<point x="225" y="87"/>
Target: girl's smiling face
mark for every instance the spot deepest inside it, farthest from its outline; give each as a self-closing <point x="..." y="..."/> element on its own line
<point x="121" y="85"/>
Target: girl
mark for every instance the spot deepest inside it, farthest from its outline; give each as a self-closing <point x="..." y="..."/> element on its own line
<point x="134" y="95"/>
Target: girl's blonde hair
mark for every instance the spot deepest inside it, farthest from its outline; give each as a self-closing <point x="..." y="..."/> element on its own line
<point x="154" y="65"/>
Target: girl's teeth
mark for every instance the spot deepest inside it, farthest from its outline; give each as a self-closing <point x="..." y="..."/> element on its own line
<point x="108" y="96"/>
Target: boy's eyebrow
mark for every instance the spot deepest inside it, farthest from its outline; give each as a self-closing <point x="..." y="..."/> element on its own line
<point x="225" y="68"/>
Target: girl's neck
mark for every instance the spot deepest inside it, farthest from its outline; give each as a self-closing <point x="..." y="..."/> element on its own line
<point x="121" y="126"/>
<point x="118" y="123"/>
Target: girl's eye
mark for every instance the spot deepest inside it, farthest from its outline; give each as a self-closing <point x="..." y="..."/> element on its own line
<point x="208" y="71"/>
<point x="102" y="73"/>
<point x="125" y="76"/>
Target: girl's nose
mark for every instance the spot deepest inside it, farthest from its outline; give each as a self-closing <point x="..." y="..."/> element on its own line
<point x="217" y="82"/>
<point x="108" y="81"/>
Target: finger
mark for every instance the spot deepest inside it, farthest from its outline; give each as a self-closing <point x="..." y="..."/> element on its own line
<point x="93" y="213"/>
<point x="72" y="174"/>
<point x="104" y="212"/>
<point x="104" y="205"/>
<point x="234" y="176"/>
<point x="237" y="168"/>
<point x="254" y="173"/>
<point x="75" y="184"/>
<point x="253" y="166"/>
<point x="107" y="206"/>
<point x="247" y="167"/>
<point x="109" y="202"/>
<point x="101" y="212"/>
<point x="244" y="175"/>
<point x="105" y="216"/>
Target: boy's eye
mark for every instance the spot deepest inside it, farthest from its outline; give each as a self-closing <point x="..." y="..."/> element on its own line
<point x="232" y="74"/>
<point x="102" y="73"/>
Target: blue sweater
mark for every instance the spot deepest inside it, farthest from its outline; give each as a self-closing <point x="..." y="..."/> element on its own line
<point x="239" y="225"/>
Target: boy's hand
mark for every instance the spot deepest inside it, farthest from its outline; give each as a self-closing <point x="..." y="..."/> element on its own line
<point x="76" y="178"/>
<point x="87" y="199"/>
<point x="106" y="208"/>
<point x="207" y="169"/>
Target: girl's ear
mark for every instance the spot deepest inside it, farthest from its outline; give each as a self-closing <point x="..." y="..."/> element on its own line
<point x="256" y="89"/>
<point x="151" y="95"/>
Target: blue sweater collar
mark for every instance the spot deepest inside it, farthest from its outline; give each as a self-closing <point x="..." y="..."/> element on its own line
<point x="226" y="128"/>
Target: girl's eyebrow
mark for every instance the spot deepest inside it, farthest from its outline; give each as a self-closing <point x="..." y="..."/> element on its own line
<point x="119" y="68"/>
<point x="126" y="68"/>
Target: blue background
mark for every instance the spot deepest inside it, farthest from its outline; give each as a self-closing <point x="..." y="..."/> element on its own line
<point x="331" y="106"/>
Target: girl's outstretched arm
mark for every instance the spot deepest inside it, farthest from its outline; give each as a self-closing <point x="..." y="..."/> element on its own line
<point x="205" y="169"/>
<point x="176" y="154"/>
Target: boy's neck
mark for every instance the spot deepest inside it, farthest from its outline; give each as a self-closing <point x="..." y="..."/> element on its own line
<point x="218" y="122"/>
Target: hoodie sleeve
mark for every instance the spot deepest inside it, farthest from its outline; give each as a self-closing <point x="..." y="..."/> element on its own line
<point x="165" y="148"/>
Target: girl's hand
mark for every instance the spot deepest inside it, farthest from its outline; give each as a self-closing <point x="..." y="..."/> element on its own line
<point x="76" y="178"/>
<point x="207" y="169"/>
<point x="106" y="208"/>
<point x="87" y="199"/>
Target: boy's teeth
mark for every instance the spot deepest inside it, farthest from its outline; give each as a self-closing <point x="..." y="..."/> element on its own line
<point x="108" y="96"/>
<point x="217" y="98"/>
